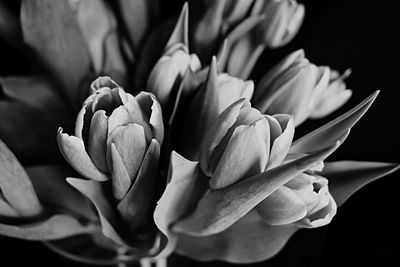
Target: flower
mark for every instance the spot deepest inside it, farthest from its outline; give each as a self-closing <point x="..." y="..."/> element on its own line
<point x="117" y="138"/>
<point x="254" y="188"/>
<point x="296" y="86"/>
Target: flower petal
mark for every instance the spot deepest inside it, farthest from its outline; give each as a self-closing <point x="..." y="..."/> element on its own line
<point x="282" y="207"/>
<point x="73" y="150"/>
<point x="219" y="209"/>
<point x="97" y="143"/>
<point x="245" y="156"/>
<point x="119" y="178"/>
<point x="186" y="184"/>
<point x="180" y="32"/>
<point x="95" y="191"/>
<point x="15" y="185"/>
<point x="329" y="132"/>
<point x="56" y="227"/>
<point x="347" y="177"/>
<point x="331" y="104"/>
<point x="130" y="142"/>
<point x="151" y="107"/>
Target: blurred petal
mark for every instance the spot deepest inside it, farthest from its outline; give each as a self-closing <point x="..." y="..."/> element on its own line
<point x="328" y="133"/>
<point x="73" y="150"/>
<point x="6" y="210"/>
<point x="245" y="155"/>
<point x="151" y="107"/>
<point x="50" y="184"/>
<point x="282" y="207"/>
<point x="347" y="177"/>
<point x="130" y="142"/>
<point x="51" y="29"/>
<point x="248" y="240"/>
<point x="56" y="227"/>
<point x="331" y="104"/>
<point x="321" y="217"/>
<point x="102" y="200"/>
<point x="180" y="32"/>
<point x="186" y="184"/>
<point x="120" y="178"/>
<point x="98" y="140"/>
<point x="15" y="185"/>
<point x="219" y="209"/>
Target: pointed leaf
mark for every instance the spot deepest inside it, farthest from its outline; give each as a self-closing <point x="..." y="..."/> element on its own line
<point x="73" y="150"/>
<point x="347" y="177"/>
<point x="180" y="33"/>
<point x="56" y="227"/>
<point x="15" y="185"/>
<point x="329" y="132"/>
<point x="219" y="209"/>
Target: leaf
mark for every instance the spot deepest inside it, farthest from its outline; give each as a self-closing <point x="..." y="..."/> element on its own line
<point x="15" y="185"/>
<point x="51" y="29"/>
<point x="249" y="240"/>
<point x="219" y="209"/>
<point x="180" y="33"/>
<point x="101" y="199"/>
<point x="328" y="133"/>
<point x="185" y="187"/>
<point x="50" y="184"/>
<point x="56" y="227"/>
<point x="347" y="177"/>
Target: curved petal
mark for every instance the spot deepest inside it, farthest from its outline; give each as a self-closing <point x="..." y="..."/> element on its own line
<point x="97" y="143"/>
<point x="151" y="107"/>
<point x="249" y="240"/>
<point x="180" y="32"/>
<point x="219" y="209"/>
<point x="120" y="179"/>
<point x="331" y="104"/>
<point x="347" y="177"/>
<point x="282" y="207"/>
<point x="73" y="150"/>
<point x="15" y="185"/>
<point x="56" y="227"/>
<point x="245" y="156"/>
<point x="329" y="132"/>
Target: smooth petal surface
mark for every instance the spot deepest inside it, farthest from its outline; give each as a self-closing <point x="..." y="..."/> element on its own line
<point x="120" y="179"/>
<point x="50" y="28"/>
<point x="73" y="150"/>
<point x="101" y="199"/>
<point x="151" y="107"/>
<point x="347" y="177"/>
<point x="180" y="32"/>
<point x="329" y="132"/>
<point x="245" y="156"/>
<point x="249" y="240"/>
<point x="282" y="207"/>
<point x="219" y="209"/>
<point x="15" y="185"/>
<point x="97" y="143"/>
<point x="56" y="227"/>
<point x="186" y="185"/>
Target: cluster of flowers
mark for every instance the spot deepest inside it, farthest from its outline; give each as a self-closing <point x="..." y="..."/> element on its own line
<point x="202" y="162"/>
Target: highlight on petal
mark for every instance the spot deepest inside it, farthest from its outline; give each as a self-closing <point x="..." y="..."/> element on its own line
<point x="15" y="185"/>
<point x="73" y="150"/>
<point x="347" y="177"/>
<point x="329" y="132"/>
<point x="152" y="108"/>
<point x="120" y="179"/>
<point x="97" y="142"/>
<point x="219" y="209"/>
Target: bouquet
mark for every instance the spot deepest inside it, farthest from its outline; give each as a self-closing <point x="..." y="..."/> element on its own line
<point x="137" y="136"/>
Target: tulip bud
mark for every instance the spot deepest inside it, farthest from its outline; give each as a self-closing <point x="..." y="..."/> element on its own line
<point x="283" y="19"/>
<point x="169" y="71"/>
<point x="296" y="86"/>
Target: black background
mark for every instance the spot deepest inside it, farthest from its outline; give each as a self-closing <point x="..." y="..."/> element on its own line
<point x="339" y="33"/>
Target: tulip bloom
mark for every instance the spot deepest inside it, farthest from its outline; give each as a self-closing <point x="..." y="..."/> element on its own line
<point x="117" y="139"/>
<point x="296" y="86"/>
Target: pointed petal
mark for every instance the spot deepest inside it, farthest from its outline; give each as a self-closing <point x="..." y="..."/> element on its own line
<point x="347" y="177"/>
<point x="120" y="178"/>
<point x="51" y="29"/>
<point x="329" y="132"/>
<point x="15" y="185"/>
<point x="73" y="150"/>
<point x="219" y="209"/>
<point x="282" y="207"/>
<point x="249" y="240"/>
<point x="180" y="33"/>
<point x="130" y="142"/>
<point x="244" y="156"/>
<point x="97" y="144"/>
<point x="137" y="206"/>
<point x="151" y="107"/>
<point x="101" y="199"/>
<point x="56" y="227"/>
<point x="49" y="183"/>
<point x="185" y="187"/>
